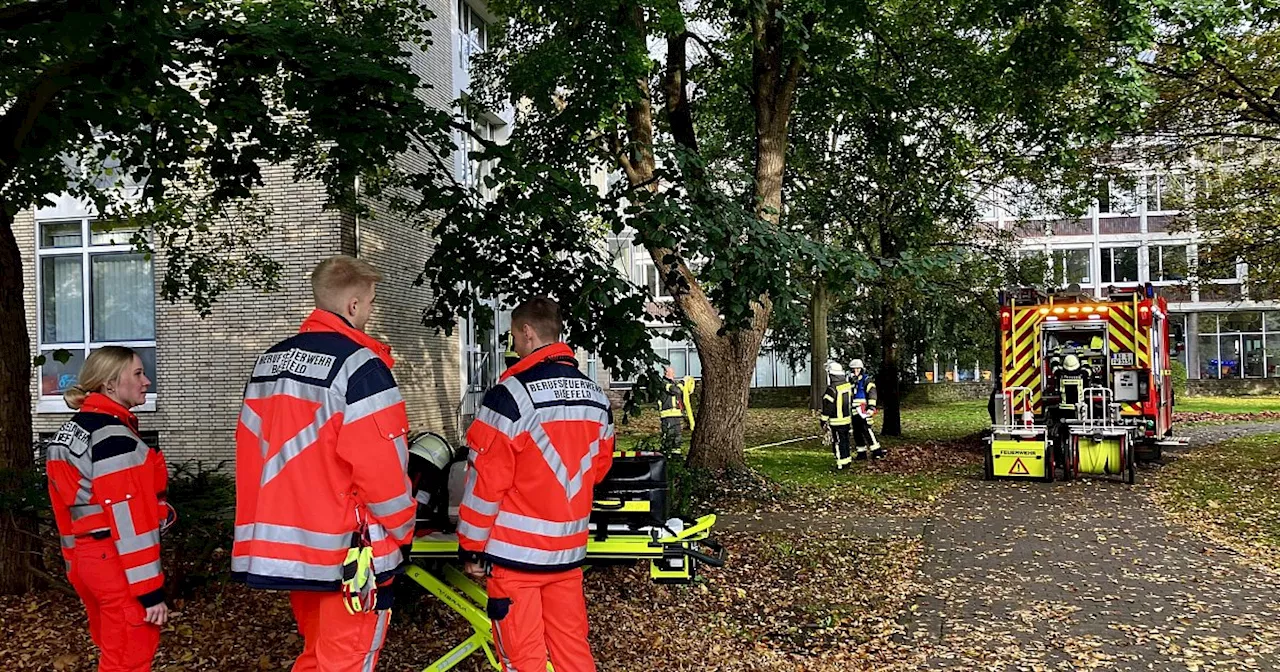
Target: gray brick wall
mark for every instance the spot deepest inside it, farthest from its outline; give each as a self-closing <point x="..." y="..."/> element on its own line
<point x="202" y="364"/>
<point x="428" y="366"/>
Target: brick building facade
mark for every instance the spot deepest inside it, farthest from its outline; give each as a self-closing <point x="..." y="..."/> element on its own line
<point x="85" y="287"/>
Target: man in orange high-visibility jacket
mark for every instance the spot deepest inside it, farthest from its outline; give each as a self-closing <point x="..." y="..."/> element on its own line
<point x="321" y="459"/>
<point x="542" y="440"/>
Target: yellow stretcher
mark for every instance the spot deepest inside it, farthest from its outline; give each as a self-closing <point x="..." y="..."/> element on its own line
<point x="673" y="558"/>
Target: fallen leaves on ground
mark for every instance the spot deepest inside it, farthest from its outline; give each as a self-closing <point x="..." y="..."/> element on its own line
<point x="784" y="602"/>
<point x="1219" y="417"/>
<point x="1084" y="575"/>
<point x="1229" y="492"/>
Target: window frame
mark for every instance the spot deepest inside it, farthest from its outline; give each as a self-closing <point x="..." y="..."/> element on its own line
<point x="1219" y="336"/>
<point x="469" y="18"/>
<point x="1058" y="267"/>
<point x="1107" y="264"/>
<point x="1155" y="262"/>
<point x="85" y="252"/>
<point x="473" y="171"/>
<point x="657" y="289"/>
<point x="1194" y="265"/>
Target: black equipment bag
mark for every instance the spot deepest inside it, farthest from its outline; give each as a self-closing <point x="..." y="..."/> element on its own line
<point x="633" y="494"/>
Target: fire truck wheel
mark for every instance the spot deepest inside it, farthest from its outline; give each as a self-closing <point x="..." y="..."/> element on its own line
<point x="1131" y="473"/>
<point x="1048" y="465"/>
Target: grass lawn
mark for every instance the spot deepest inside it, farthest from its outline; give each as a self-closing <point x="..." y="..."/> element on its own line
<point x="922" y="463"/>
<point x="1230" y="491"/>
<point x="770" y="425"/>
<point x="1226" y="404"/>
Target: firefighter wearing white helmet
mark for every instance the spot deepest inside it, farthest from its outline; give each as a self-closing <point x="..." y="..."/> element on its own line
<point x="430" y="461"/>
<point x="864" y="403"/>
<point x="837" y="413"/>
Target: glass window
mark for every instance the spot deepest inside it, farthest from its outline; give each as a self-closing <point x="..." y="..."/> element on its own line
<point x="1273" y="355"/>
<point x="1171" y="194"/>
<point x="1229" y="356"/>
<point x="1124" y="199"/>
<point x="111" y="232"/>
<point x="786" y="377"/>
<point x="123" y="298"/>
<point x="764" y="370"/>
<point x="651" y="279"/>
<point x="1240" y="321"/>
<point x="473" y="34"/>
<point x="802" y="374"/>
<point x="1207" y="354"/>
<point x="1119" y="264"/>
<point x="621" y="252"/>
<point x="56" y="377"/>
<point x="1178" y="338"/>
<point x="1169" y="262"/>
<point x="679" y="361"/>
<point x="1273" y="321"/>
<point x="695" y="363"/>
<point x="1211" y="267"/>
<point x="1104" y="196"/>
<point x="1254" y="356"/>
<point x="60" y="234"/>
<point x="119" y="307"/>
<point x="61" y="300"/>
<point x="1072" y="266"/>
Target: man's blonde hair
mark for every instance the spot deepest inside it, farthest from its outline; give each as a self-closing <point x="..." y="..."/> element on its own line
<point x="338" y="275"/>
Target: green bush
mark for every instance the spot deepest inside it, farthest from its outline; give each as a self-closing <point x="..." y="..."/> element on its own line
<point x="1179" y="379"/>
<point x="197" y="548"/>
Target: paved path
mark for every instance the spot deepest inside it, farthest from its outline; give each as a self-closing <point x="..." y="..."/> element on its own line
<point x="1087" y="575"/>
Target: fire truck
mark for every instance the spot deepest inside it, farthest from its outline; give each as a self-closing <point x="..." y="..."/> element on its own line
<point x="1085" y="384"/>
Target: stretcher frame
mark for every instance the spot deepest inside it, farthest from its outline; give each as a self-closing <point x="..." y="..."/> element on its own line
<point x="433" y="561"/>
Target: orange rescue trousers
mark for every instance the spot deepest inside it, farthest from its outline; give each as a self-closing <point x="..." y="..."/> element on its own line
<point x="335" y="640"/>
<point x="534" y="613"/>
<point x="126" y="643"/>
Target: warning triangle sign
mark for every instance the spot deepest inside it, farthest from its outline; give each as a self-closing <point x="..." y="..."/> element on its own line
<point x="1018" y="468"/>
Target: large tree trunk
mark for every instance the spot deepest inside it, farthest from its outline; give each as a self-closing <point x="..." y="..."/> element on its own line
<point x="888" y="380"/>
<point x="819" y="352"/>
<point x="16" y="460"/>
<point x="728" y="354"/>
<point x="719" y="438"/>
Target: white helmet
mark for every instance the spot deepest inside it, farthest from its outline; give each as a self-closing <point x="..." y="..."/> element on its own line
<point x="434" y="449"/>
<point x="834" y="369"/>
<point x="856" y="364"/>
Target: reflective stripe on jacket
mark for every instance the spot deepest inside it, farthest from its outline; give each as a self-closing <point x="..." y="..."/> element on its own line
<point x="837" y="405"/>
<point x="541" y="442"/>
<point x="672" y="400"/>
<point x="864" y="390"/>
<point x="321" y="434"/>
<point x="103" y="477"/>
